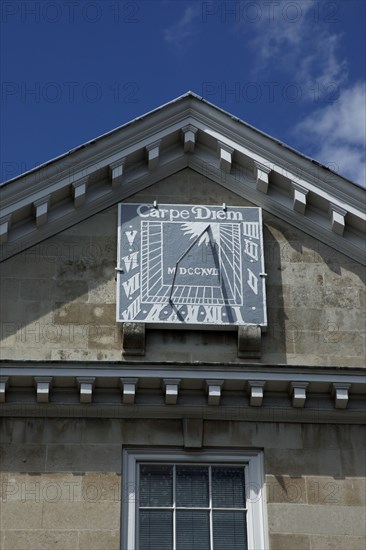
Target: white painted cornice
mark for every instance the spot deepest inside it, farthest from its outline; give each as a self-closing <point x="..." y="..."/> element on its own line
<point x="186" y="132"/>
<point x="212" y="390"/>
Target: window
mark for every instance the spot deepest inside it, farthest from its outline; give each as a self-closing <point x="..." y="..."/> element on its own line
<point x="192" y="501"/>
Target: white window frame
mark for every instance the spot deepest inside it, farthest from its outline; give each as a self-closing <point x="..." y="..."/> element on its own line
<point x="252" y="460"/>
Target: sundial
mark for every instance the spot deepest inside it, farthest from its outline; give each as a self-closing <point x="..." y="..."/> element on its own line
<point x="193" y="266"/>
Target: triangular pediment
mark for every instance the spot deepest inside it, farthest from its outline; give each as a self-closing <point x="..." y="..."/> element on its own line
<point x="191" y="133"/>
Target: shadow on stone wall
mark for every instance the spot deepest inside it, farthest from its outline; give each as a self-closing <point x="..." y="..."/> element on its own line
<point x="58" y="297"/>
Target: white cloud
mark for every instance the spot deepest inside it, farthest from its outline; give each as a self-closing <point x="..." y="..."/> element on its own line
<point x="185" y="27"/>
<point x="338" y="133"/>
<point x="321" y="64"/>
<point x="292" y="40"/>
<point x="278" y="28"/>
<point x="298" y="44"/>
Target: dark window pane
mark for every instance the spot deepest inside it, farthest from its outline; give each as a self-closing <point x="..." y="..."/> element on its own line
<point x="193" y="530"/>
<point x="156" y="530"/>
<point x="192" y="486"/>
<point x="229" y="531"/>
<point x="228" y="490"/>
<point x="156" y="485"/>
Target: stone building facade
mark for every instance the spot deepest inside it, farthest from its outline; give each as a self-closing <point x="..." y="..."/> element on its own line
<point x="98" y="414"/>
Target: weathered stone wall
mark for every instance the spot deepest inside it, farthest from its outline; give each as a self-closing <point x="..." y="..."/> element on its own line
<point x="62" y="482"/>
<point x="58" y="298"/>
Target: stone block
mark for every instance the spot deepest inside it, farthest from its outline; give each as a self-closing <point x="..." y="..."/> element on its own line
<point x="158" y="354"/>
<point x="100" y="431"/>
<point x="81" y="515"/>
<point x="101" y="486"/>
<point x="46" y="335"/>
<point x="204" y="191"/>
<point x="362" y="298"/>
<point x="11" y="316"/>
<point x="21" y="515"/>
<point x="79" y="354"/>
<point x="36" y="289"/>
<point x="294" y="274"/>
<point x="331" y="342"/>
<point x="301" y="319"/>
<point x="297" y="462"/>
<point x="40" y="431"/>
<point x="306" y="296"/>
<point x="38" y="539"/>
<point x="152" y="432"/>
<point x="84" y="314"/>
<point x="189" y="345"/>
<point x="294" y="251"/>
<point x="98" y="540"/>
<point x="277" y="436"/>
<point x="329" y="542"/>
<point x="193" y="433"/>
<point x="289" y="542"/>
<point x="338" y="492"/>
<point x="25" y="353"/>
<point x="278" y="294"/>
<point x="252" y="434"/>
<point x="30" y="264"/>
<point x="81" y="458"/>
<point x="43" y="487"/>
<point x="3" y="485"/>
<point x="286" y="489"/>
<point x="313" y="520"/>
<point x="273" y="358"/>
<point x="8" y="342"/>
<point x="107" y="251"/>
<point x="22" y="458"/>
<point x="62" y="247"/>
<point x="354" y="361"/>
<point x="339" y="319"/>
<point x="101" y="224"/>
<point x="71" y="289"/>
<point x="344" y="297"/>
<point x="104" y="292"/>
<point x="354" y="463"/>
<point x="40" y="311"/>
<point x="63" y="430"/>
<point x="328" y="295"/>
<point x="9" y="287"/>
<point x="280" y="337"/>
<point x="171" y="189"/>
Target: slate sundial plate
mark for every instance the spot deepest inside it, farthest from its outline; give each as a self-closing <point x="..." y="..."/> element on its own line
<point x="193" y="266"/>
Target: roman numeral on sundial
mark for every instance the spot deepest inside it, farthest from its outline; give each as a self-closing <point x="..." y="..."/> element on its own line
<point x="251" y="229"/>
<point x="252" y="281"/>
<point x="131" y="285"/>
<point x="192" y="314"/>
<point x="132" y="311"/>
<point x="251" y="249"/>
<point x="130" y="261"/>
<point x="130" y="236"/>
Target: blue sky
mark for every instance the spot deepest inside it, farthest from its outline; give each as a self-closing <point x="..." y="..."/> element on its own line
<point x="72" y="70"/>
